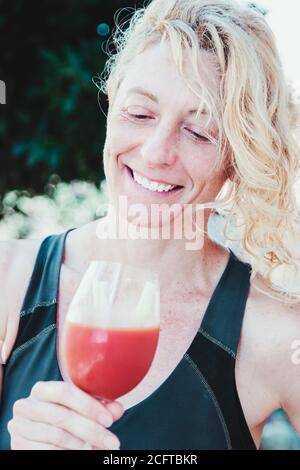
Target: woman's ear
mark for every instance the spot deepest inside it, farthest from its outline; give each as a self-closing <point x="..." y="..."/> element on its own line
<point x="230" y="172"/>
<point x="229" y="167"/>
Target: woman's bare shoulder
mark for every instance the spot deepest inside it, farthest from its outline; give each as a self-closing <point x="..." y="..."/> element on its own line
<point x="23" y="247"/>
<point x="271" y="318"/>
<point x="17" y="259"/>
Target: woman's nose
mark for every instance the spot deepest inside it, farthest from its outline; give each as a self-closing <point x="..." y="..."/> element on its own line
<point x="159" y="148"/>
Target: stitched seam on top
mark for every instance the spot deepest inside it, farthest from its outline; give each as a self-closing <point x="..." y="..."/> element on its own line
<point x="45" y="303"/>
<point x="33" y="340"/>
<point x="213" y="397"/>
<point x="217" y="342"/>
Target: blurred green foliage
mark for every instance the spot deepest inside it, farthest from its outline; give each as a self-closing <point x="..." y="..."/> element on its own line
<point x="62" y="206"/>
<point x="52" y="122"/>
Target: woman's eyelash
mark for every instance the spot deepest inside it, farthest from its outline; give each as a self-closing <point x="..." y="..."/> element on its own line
<point x="142" y="117"/>
<point x="139" y="116"/>
<point x="198" y="136"/>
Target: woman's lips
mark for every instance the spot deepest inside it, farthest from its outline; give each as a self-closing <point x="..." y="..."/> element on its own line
<point x="155" y="193"/>
<point x="154" y="180"/>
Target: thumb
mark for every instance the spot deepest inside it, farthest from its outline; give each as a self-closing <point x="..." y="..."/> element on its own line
<point x="116" y="408"/>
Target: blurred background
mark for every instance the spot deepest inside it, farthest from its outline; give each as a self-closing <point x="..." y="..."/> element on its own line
<point x="52" y="126"/>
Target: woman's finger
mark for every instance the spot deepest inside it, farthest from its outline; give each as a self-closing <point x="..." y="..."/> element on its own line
<point x="42" y="432"/>
<point x="68" y="395"/>
<point x="59" y="416"/>
<point x="19" y="443"/>
<point x="116" y="409"/>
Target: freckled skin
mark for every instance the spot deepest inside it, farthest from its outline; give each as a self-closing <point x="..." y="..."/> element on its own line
<point x="163" y="145"/>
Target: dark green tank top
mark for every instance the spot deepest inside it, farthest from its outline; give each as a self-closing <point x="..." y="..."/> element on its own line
<point x="197" y="407"/>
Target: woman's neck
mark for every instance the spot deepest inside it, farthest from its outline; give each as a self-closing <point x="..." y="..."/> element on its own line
<point x="177" y="266"/>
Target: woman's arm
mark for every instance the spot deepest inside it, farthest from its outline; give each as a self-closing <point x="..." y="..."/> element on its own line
<point x="283" y="365"/>
<point x="5" y="263"/>
<point x="17" y="259"/>
<point x="289" y="363"/>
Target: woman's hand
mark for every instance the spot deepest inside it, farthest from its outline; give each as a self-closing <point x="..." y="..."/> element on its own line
<point x="58" y="415"/>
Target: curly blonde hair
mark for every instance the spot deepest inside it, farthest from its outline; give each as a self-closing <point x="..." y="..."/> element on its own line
<point x="256" y="115"/>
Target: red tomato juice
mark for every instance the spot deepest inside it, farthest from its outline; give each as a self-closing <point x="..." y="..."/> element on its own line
<point x="108" y="363"/>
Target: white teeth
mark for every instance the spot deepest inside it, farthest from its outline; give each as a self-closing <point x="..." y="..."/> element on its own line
<point x="152" y="185"/>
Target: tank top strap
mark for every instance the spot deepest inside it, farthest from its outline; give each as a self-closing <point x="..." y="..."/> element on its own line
<point x="223" y="320"/>
<point x="43" y="286"/>
<point x="38" y="312"/>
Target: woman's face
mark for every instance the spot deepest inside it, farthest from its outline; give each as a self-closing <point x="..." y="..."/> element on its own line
<point x="156" y="151"/>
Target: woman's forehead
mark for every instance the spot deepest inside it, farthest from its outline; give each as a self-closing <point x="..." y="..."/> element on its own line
<point x="155" y="73"/>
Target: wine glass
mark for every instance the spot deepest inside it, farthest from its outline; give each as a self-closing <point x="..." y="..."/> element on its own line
<point x="111" y="329"/>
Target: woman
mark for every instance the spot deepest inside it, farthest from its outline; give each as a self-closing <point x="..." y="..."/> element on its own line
<point x="198" y="108"/>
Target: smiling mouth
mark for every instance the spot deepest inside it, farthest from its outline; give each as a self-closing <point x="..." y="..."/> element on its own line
<point x="151" y="185"/>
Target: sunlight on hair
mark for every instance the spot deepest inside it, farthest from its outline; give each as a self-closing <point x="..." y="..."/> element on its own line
<point x="257" y="116"/>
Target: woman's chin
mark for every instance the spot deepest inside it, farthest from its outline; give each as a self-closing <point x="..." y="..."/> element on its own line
<point x="154" y="228"/>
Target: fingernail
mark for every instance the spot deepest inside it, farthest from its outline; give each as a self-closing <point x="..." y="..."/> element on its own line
<point x="106" y="420"/>
<point x="111" y="442"/>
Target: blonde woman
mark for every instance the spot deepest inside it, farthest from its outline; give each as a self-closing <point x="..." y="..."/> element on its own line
<point x="199" y="114"/>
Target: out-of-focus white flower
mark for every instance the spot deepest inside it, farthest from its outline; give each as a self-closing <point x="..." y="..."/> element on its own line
<point x="69" y="205"/>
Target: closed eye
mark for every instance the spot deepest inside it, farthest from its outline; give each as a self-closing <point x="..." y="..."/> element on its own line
<point x="143" y="117"/>
<point x="140" y="116"/>
<point x="197" y="136"/>
<point x="136" y="116"/>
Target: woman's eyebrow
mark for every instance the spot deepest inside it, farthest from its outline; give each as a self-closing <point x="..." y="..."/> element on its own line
<point x="141" y="91"/>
